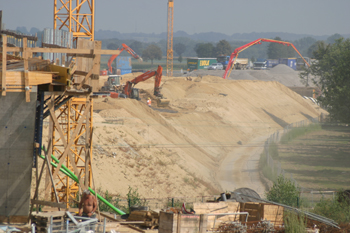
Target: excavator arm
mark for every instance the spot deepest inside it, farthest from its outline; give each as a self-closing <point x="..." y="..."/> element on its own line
<point x="126" y="48"/>
<point x="143" y="77"/>
<point x="157" y="81"/>
<point x="235" y="53"/>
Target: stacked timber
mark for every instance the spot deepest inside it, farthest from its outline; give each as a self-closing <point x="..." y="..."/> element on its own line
<point x="48" y="222"/>
<point x="150" y="218"/>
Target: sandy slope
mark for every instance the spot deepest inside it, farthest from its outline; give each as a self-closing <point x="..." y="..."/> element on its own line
<point x="209" y="142"/>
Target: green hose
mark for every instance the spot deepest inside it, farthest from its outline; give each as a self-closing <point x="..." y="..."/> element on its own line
<point x="71" y="175"/>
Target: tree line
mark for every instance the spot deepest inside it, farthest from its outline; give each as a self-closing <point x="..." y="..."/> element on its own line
<point x="186" y="47"/>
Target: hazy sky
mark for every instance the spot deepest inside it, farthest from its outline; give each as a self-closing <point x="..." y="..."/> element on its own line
<point x="315" y="17"/>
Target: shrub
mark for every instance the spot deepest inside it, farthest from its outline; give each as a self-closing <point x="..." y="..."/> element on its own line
<point x="284" y="191"/>
<point x="337" y="209"/>
<point x="294" y="223"/>
<point x="134" y="198"/>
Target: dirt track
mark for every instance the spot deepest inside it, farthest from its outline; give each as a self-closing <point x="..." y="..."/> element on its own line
<point x="208" y="142"/>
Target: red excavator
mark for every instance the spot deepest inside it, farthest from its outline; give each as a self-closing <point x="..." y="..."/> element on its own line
<point x="126" y="48"/>
<point x="133" y="93"/>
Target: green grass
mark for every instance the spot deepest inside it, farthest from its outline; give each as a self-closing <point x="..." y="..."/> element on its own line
<point x="318" y="157"/>
<point x="298" y="132"/>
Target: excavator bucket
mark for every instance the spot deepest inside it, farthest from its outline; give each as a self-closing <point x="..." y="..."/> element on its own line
<point x="163" y="102"/>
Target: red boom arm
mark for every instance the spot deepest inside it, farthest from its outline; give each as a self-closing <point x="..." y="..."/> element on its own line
<point x="144" y="77"/>
<point x="235" y="53"/>
<point x="126" y="48"/>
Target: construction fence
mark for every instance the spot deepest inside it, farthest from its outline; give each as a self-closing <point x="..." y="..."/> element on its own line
<point x="275" y="168"/>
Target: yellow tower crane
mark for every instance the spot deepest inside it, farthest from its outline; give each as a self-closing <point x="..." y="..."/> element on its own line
<point x="77" y="16"/>
<point x="170" y="52"/>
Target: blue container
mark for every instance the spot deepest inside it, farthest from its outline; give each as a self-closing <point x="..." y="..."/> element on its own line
<point x="292" y="63"/>
<point x="125" y="71"/>
<point x="124" y="62"/>
<point x="271" y="63"/>
<point x="283" y="61"/>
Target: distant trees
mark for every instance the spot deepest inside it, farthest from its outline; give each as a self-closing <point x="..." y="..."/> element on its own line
<point x="223" y="48"/>
<point x="332" y="39"/>
<point x="316" y="48"/>
<point x="207" y="50"/>
<point x="152" y="52"/>
<point x="331" y="73"/>
<point x="137" y="46"/>
<point x="275" y="50"/>
<point x="303" y="44"/>
<point x="180" y="49"/>
<point x="112" y="46"/>
<point x="204" y="50"/>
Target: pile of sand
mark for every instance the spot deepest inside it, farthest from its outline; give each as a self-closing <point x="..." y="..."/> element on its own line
<point x="203" y="146"/>
<point x="280" y="73"/>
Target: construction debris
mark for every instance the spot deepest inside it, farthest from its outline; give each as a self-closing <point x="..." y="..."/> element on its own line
<point x="150" y="218"/>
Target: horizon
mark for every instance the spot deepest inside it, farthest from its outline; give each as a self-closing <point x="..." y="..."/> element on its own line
<point x="312" y="17"/>
<point x="300" y="34"/>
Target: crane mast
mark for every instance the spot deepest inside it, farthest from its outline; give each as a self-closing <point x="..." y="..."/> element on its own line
<point x="78" y="18"/>
<point x="170" y="52"/>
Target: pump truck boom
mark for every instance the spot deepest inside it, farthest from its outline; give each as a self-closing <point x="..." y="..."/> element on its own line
<point x="126" y="48"/>
<point x="235" y="53"/>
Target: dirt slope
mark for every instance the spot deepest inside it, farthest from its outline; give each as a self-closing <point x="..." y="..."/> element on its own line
<point x="208" y="141"/>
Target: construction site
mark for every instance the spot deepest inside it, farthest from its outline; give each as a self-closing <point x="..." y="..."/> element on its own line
<point x="195" y="138"/>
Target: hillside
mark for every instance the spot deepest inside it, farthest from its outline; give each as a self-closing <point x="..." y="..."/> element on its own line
<point x="208" y="140"/>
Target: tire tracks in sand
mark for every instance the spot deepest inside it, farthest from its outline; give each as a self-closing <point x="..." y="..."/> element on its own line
<point x="240" y="168"/>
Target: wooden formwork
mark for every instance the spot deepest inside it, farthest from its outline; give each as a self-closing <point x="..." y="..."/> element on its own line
<point x="217" y="208"/>
<point x="263" y="211"/>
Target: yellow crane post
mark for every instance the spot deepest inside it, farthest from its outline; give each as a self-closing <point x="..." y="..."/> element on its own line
<point x="170" y="52"/>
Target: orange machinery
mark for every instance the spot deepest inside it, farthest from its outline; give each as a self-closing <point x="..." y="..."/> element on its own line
<point x="126" y="48"/>
<point x="133" y="93"/>
<point x="235" y="53"/>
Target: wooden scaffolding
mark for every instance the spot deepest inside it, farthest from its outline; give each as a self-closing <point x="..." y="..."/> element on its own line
<point x="64" y="98"/>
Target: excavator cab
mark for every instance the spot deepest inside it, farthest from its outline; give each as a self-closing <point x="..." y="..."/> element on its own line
<point x="135" y="94"/>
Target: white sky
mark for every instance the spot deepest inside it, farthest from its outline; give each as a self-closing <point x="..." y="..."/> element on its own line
<point x="314" y="17"/>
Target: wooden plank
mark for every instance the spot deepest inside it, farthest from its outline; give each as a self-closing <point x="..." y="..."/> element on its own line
<point x="49" y="203"/>
<point x="34" y="78"/>
<point x="26" y="70"/>
<point x="18" y="219"/>
<point x="94" y="83"/>
<point x="107" y="216"/>
<point x="206" y="208"/>
<point x="13" y="219"/>
<point x="3" y="75"/>
<point x="136" y="228"/>
<point x="167" y="222"/>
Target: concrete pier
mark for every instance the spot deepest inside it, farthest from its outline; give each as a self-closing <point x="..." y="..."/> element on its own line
<point x="17" y="123"/>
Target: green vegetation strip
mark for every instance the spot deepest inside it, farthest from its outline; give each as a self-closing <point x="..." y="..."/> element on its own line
<point x="71" y="175"/>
